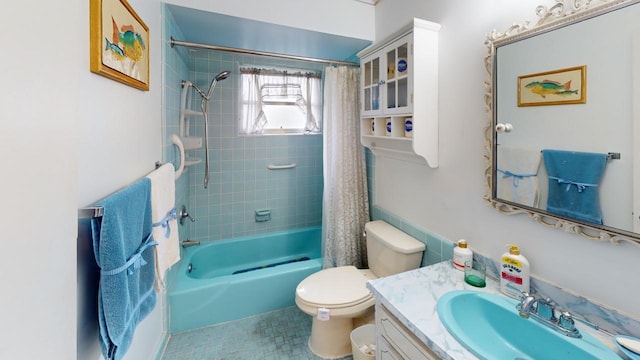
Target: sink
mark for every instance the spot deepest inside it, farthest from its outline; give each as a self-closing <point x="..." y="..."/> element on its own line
<point x="488" y="325"/>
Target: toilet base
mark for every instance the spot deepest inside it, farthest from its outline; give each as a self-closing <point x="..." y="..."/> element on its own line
<point x="331" y="339"/>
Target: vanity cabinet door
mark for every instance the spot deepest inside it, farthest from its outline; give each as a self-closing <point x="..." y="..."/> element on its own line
<point x="386" y="351"/>
<point x="394" y="335"/>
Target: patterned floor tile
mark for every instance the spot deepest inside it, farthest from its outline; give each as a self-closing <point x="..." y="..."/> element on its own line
<point x="276" y="335"/>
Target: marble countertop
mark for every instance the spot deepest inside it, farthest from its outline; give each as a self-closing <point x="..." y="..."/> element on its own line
<point x="412" y="297"/>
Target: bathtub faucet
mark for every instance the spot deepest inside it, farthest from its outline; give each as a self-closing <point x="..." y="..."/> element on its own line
<point x="187" y="243"/>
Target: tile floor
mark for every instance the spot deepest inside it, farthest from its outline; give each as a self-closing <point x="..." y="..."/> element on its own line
<point x="277" y="335"/>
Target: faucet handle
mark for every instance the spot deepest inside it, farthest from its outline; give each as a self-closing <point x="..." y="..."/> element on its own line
<point x="184" y="214"/>
<point x="546" y="309"/>
<point x="566" y="321"/>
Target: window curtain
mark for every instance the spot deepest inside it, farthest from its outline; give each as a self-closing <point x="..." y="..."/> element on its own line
<point x="253" y="117"/>
<point x="345" y="199"/>
<point x="265" y="86"/>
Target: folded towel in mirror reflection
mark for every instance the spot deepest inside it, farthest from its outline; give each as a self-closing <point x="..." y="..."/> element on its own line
<point x="517" y="178"/>
<point x="574" y="179"/>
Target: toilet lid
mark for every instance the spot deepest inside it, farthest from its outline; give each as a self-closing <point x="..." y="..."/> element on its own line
<point x="334" y="287"/>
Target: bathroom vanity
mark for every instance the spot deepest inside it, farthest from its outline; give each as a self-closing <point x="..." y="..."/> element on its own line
<point x="407" y="321"/>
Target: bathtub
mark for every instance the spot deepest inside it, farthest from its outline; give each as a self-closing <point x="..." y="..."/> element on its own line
<point x="232" y="279"/>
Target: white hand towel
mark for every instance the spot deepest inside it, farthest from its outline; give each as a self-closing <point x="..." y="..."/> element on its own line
<point x="517" y="176"/>
<point x="165" y="229"/>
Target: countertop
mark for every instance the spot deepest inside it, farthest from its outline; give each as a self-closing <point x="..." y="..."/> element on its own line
<point x="412" y="297"/>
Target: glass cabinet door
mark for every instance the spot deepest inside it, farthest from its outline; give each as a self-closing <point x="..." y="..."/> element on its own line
<point x="397" y="79"/>
<point x="371" y="85"/>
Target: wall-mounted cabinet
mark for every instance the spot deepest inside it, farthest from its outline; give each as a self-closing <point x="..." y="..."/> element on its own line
<point x="399" y="99"/>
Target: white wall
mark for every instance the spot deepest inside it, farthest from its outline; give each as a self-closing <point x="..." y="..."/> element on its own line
<point x="449" y="200"/>
<point x="69" y="138"/>
<point x="38" y="117"/>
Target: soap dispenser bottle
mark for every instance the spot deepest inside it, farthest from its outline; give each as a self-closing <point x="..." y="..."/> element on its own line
<point x="461" y="254"/>
<point x="514" y="272"/>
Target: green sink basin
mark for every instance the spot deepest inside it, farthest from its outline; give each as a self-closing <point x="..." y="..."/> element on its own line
<point x="489" y="326"/>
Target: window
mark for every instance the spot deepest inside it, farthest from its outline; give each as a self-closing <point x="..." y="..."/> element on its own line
<point x="280" y="102"/>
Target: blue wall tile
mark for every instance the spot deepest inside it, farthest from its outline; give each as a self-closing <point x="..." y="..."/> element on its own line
<point x="239" y="180"/>
<point x="438" y="248"/>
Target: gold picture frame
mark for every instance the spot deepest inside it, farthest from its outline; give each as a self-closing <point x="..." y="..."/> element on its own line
<point x="557" y="87"/>
<point x="119" y="43"/>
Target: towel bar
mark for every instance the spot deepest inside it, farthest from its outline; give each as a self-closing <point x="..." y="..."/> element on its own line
<point x="611" y="156"/>
<point x="281" y="167"/>
<point x="91" y="212"/>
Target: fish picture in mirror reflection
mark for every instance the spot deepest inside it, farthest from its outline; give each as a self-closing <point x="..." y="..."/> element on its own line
<point x="550" y="87"/>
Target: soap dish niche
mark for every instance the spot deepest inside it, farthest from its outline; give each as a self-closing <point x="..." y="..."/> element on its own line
<point x="192" y="142"/>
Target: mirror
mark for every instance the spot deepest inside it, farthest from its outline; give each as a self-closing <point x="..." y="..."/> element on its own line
<point x="563" y="100"/>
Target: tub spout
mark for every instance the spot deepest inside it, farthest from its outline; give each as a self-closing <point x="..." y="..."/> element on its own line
<point x="187" y="243"/>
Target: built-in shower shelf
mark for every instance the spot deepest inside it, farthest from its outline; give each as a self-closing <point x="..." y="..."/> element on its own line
<point x="192" y="161"/>
<point x="191" y="142"/>
<point x="192" y="112"/>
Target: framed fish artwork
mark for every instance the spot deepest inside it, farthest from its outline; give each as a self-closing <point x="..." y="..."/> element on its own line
<point x="557" y="87"/>
<point x="119" y="43"/>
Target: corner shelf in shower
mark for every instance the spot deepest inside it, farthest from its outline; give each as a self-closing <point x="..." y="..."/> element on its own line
<point x="192" y="161"/>
<point x="189" y="112"/>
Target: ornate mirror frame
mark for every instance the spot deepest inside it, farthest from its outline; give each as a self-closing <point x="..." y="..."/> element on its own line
<point x="563" y="13"/>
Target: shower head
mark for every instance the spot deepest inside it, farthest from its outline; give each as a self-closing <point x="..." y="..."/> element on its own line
<point x="221" y="76"/>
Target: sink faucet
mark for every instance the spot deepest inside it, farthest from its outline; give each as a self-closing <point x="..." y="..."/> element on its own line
<point x="526" y="304"/>
<point x="544" y="311"/>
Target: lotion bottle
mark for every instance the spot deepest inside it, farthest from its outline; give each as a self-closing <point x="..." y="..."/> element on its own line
<point x="514" y="272"/>
<point x="461" y="254"/>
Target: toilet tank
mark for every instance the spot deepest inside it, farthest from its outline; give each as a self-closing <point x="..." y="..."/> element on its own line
<point x="391" y="251"/>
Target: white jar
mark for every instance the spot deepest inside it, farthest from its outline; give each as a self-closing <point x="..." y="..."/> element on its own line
<point x="461" y="254"/>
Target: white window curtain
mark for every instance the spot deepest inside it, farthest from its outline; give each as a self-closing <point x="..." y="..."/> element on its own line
<point x="345" y="198"/>
<point x="271" y="86"/>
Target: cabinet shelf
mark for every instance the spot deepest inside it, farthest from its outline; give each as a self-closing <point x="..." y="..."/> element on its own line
<point x="393" y="138"/>
<point x="397" y="70"/>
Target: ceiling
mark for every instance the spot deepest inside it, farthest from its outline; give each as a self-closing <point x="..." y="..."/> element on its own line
<point x="223" y="30"/>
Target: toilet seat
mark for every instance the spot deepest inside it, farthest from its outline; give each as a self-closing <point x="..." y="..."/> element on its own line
<point x="335" y="288"/>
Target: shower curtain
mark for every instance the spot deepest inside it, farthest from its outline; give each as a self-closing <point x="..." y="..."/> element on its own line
<point x="345" y="200"/>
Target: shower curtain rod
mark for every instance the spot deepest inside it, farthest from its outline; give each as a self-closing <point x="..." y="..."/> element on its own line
<point x="174" y="42"/>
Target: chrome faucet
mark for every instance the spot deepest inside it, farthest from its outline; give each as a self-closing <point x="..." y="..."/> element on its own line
<point x="544" y="311"/>
<point x="526" y="304"/>
<point x="187" y="243"/>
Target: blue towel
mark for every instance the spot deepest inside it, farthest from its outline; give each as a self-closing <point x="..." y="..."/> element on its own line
<point x="123" y="248"/>
<point x="574" y="178"/>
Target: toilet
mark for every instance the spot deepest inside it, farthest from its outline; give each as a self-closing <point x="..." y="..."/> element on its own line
<point x="337" y="298"/>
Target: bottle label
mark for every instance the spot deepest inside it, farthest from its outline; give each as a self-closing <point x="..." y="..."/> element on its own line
<point x="512" y="278"/>
<point x="511" y="261"/>
<point x="408" y="125"/>
<point x="402" y="66"/>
